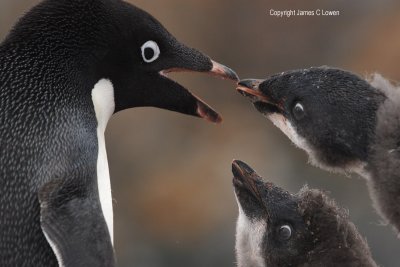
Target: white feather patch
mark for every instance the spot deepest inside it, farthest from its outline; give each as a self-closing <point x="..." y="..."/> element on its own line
<point x="104" y="106"/>
<point x="249" y="238"/>
<point x="286" y="127"/>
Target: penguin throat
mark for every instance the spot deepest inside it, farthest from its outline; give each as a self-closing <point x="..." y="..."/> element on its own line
<point x="356" y="166"/>
<point x="286" y="127"/>
<point x="249" y="239"/>
<point x="104" y="106"/>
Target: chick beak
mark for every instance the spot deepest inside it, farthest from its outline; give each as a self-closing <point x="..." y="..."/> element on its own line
<point x="250" y="88"/>
<point x="246" y="178"/>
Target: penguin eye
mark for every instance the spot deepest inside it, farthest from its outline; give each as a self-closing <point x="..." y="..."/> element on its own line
<point x="285" y="232"/>
<point x="298" y="111"/>
<point x="150" y="51"/>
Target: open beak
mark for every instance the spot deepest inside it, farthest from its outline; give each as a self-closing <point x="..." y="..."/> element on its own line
<point x="181" y="100"/>
<point x="254" y="90"/>
<point x="251" y="190"/>
<point x="245" y="180"/>
<point x="250" y="88"/>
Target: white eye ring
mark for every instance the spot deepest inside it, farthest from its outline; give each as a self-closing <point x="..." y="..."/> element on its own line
<point x="298" y="111"/>
<point x="299" y="106"/>
<point x="286" y="230"/>
<point x="154" y="49"/>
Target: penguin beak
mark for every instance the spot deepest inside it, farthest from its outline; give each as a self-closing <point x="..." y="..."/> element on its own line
<point x="250" y="88"/>
<point x="179" y="99"/>
<point x="223" y="72"/>
<point x="175" y="97"/>
<point x="217" y="70"/>
<point x="246" y="181"/>
<point x="252" y="192"/>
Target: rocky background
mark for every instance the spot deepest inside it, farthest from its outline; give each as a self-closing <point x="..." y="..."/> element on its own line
<point x="171" y="177"/>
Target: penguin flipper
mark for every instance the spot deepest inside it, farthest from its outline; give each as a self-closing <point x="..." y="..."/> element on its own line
<point x="74" y="225"/>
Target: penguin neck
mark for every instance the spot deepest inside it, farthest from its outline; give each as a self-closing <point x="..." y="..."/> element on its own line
<point x="249" y="239"/>
<point x="104" y="106"/>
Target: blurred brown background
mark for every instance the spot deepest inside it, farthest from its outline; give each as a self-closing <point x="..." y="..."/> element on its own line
<point x="171" y="176"/>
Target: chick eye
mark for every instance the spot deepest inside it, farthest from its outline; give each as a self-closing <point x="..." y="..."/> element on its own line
<point x="285" y="232"/>
<point x="298" y="111"/>
<point x="150" y="51"/>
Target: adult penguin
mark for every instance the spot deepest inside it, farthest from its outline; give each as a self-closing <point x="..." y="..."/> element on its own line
<point x="65" y="68"/>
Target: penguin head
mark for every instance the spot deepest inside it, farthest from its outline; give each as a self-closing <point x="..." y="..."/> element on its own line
<point x="276" y="228"/>
<point x="270" y="229"/>
<point x="140" y="62"/>
<point x="114" y="40"/>
<point x="330" y="113"/>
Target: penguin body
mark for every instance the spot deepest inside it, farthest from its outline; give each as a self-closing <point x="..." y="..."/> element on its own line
<point x="65" y="68"/>
<point x="276" y="228"/>
<point x="345" y="123"/>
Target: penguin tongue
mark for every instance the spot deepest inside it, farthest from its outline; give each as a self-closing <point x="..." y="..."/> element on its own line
<point x="206" y="112"/>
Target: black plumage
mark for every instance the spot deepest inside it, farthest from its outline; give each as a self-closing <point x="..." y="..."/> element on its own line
<point x="49" y="146"/>
<point x="344" y="122"/>
<point x="276" y="228"/>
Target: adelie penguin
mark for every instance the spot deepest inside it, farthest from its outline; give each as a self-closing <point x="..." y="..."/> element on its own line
<point x="65" y="69"/>
<point x="344" y="122"/>
<point x="276" y="228"/>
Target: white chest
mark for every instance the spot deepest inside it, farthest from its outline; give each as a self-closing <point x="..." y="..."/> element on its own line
<point x="104" y="106"/>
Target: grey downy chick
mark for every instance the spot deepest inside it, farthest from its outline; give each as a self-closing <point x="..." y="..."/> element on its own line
<point x="345" y="124"/>
<point x="276" y="228"/>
